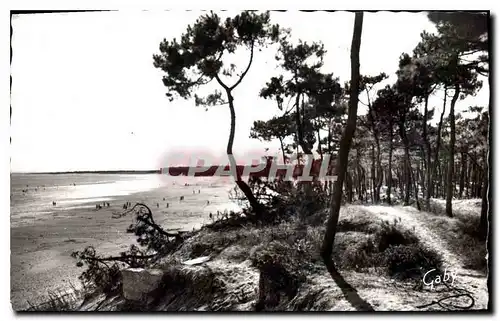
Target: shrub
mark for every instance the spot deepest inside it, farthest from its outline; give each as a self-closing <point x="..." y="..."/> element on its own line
<point x="390" y="234"/>
<point x="281" y="274"/>
<point x="396" y="251"/>
<point x="410" y="261"/>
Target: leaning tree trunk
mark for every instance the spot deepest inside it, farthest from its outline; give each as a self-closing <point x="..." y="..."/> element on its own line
<point x="438" y="145"/>
<point x="345" y="145"/>
<point x="450" y="187"/>
<point x="254" y="203"/>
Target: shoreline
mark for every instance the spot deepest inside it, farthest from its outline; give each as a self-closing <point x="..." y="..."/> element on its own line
<point x="40" y="252"/>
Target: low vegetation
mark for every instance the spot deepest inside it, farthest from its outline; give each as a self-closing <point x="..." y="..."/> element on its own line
<point x="463" y="234"/>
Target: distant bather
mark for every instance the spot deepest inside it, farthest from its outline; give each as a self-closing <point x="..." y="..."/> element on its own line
<point x="181" y="198"/>
<point x="53" y="203"/>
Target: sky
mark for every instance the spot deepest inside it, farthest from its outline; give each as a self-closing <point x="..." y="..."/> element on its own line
<point x="86" y="96"/>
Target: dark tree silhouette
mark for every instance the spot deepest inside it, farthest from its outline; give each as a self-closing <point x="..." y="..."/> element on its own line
<point x="197" y="60"/>
<point x="345" y="144"/>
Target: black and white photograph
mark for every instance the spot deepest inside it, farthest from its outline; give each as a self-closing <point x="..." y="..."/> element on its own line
<point x="250" y="160"/>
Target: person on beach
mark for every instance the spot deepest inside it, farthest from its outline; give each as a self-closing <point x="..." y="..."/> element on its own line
<point x="198" y="191"/>
<point x="208" y="202"/>
<point x="181" y="198"/>
<point x="157" y="205"/>
<point x="53" y="203"/>
<point x="211" y="216"/>
<point x="168" y="204"/>
<point x="164" y="198"/>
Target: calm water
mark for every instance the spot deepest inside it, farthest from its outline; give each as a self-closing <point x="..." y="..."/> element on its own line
<point x="32" y="194"/>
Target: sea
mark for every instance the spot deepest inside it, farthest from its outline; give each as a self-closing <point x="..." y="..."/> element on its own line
<point x="33" y="194"/>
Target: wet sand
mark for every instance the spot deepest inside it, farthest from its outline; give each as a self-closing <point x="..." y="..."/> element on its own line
<point x="40" y="250"/>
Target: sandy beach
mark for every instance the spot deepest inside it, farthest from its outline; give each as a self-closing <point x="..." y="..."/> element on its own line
<point x="41" y="244"/>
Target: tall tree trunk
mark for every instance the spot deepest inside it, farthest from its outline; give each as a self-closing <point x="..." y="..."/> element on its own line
<point x="308" y="190"/>
<point x="438" y="181"/>
<point x="360" y="178"/>
<point x="349" y="187"/>
<point x="422" y="177"/>
<point x="450" y="188"/>
<point x="438" y="142"/>
<point x="380" y="174"/>
<point x="406" y="145"/>
<point x="345" y="145"/>
<point x="254" y="203"/>
<point x="373" y="176"/>
<point x="467" y="180"/>
<point x="486" y="190"/>
<point x="476" y="181"/>
<point x="376" y="174"/>
<point x="407" y="171"/>
<point x="444" y="170"/>
<point x="415" y="186"/>
<point x="282" y="150"/>
<point x="480" y="180"/>
<point x="319" y="146"/>
<point x="428" y="188"/>
<point x="399" y="175"/>
<point x="363" y="184"/>
<point x="389" y="186"/>
<point x="462" y="174"/>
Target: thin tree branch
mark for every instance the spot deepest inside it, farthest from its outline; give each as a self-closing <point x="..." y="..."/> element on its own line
<point x="246" y="70"/>
<point x="222" y="83"/>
